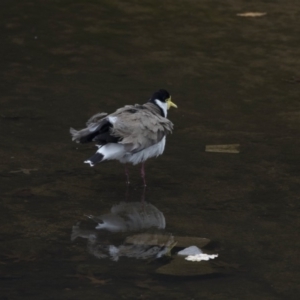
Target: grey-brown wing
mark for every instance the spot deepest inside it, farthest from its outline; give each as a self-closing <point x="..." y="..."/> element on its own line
<point x="139" y="128"/>
<point x="94" y="125"/>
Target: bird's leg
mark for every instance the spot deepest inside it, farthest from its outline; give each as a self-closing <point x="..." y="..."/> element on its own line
<point x="127" y="193"/>
<point x="143" y="195"/>
<point x="127" y="175"/>
<point x="143" y="173"/>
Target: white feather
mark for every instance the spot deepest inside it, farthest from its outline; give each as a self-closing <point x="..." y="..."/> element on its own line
<point x="118" y="152"/>
<point x="112" y="151"/>
<point x="89" y="162"/>
<point x="93" y="127"/>
<point x="152" y="151"/>
<point x="112" y="120"/>
<point x="163" y="106"/>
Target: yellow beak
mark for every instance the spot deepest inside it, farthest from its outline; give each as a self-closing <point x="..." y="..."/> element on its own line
<point x="170" y="103"/>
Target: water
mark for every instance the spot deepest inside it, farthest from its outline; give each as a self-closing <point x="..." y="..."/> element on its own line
<point x="235" y="80"/>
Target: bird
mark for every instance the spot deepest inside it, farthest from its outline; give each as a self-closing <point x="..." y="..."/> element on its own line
<point x="132" y="134"/>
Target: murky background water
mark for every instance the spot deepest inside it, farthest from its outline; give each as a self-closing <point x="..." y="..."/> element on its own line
<point x="235" y="80"/>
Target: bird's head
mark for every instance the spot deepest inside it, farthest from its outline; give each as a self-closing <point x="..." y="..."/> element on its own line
<point x="162" y="99"/>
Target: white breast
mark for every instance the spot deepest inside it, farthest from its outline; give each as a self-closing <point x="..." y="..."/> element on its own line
<point x="152" y="151"/>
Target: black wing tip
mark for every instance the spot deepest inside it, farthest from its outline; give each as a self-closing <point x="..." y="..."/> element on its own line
<point x="95" y="159"/>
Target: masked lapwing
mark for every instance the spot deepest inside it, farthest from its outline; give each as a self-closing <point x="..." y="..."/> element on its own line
<point x="132" y="134"/>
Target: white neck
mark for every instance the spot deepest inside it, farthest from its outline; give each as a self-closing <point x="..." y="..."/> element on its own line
<point x="163" y="106"/>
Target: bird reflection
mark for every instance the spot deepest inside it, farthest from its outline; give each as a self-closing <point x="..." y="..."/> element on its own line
<point x="143" y="220"/>
<point x="130" y="216"/>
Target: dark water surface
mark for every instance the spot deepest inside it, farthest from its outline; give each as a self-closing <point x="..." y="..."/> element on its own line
<point x="235" y="80"/>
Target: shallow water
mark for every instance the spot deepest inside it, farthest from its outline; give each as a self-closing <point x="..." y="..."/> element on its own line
<point x="235" y="80"/>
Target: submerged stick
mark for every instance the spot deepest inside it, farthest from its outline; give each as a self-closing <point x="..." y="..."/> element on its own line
<point x="230" y="148"/>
